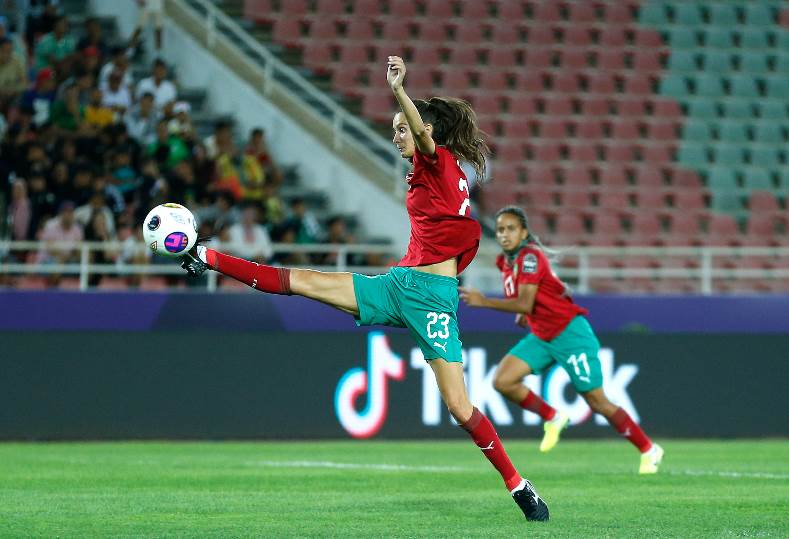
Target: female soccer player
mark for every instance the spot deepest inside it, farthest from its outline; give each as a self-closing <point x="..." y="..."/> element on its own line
<point x="421" y="293"/>
<point x="559" y="334"/>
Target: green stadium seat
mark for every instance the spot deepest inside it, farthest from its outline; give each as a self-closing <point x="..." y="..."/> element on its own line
<point x="783" y="180"/>
<point x="769" y="132"/>
<point x="723" y="15"/>
<point x="732" y="131"/>
<point x="773" y="109"/>
<point x="754" y="38"/>
<point x="765" y="156"/>
<point x="674" y="86"/>
<point x="743" y="86"/>
<point x="683" y="61"/>
<point x="722" y="179"/>
<point x="653" y="14"/>
<point x="782" y="40"/>
<point x="687" y="14"/>
<point x="754" y="62"/>
<point x="757" y="179"/>
<point x="719" y="38"/>
<point x="729" y="155"/>
<point x="695" y="130"/>
<point x="681" y="38"/>
<point x="716" y="61"/>
<point x="782" y="61"/>
<point x="702" y="109"/>
<point x="708" y="85"/>
<point x="693" y="156"/>
<point x="758" y="14"/>
<point x="737" y="109"/>
<point x="778" y="87"/>
<point x="726" y="202"/>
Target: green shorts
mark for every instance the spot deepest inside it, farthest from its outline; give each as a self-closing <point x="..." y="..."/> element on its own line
<point x="426" y="304"/>
<point x="575" y="349"/>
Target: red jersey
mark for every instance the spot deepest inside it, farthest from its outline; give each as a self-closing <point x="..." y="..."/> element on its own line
<point x="439" y="208"/>
<point x="553" y="308"/>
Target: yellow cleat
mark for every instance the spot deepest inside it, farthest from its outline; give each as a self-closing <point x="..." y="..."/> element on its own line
<point x="651" y="460"/>
<point x="553" y="429"/>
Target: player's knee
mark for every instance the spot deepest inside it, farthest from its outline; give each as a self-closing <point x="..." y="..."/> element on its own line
<point x="459" y="406"/>
<point x="598" y="403"/>
<point x="502" y="383"/>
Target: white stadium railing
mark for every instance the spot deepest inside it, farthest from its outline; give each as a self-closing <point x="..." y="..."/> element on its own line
<point x="578" y="265"/>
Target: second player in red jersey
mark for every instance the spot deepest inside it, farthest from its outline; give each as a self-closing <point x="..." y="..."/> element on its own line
<point x="560" y="335"/>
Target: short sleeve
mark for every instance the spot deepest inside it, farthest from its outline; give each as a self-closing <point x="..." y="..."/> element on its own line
<point x="533" y="266"/>
<point x="435" y="162"/>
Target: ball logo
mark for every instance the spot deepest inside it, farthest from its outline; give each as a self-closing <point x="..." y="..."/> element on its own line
<point x="176" y="242"/>
<point x="154" y="223"/>
<point x="382" y="364"/>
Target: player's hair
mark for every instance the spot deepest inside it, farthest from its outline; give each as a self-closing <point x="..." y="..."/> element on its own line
<point x="518" y="213"/>
<point x="455" y="126"/>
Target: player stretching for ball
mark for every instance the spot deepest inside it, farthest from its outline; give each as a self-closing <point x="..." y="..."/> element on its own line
<point x="559" y="334"/>
<point x="421" y="293"/>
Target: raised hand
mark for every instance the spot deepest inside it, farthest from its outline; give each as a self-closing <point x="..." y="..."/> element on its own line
<point x="395" y="72"/>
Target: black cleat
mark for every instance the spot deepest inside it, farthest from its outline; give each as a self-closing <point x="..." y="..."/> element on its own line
<point x="192" y="263"/>
<point x="531" y="504"/>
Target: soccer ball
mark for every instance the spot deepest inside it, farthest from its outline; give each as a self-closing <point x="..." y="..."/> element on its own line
<point x="170" y="229"/>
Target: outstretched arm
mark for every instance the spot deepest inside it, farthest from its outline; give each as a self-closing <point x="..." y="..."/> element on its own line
<point x="395" y="75"/>
<point x="523" y="304"/>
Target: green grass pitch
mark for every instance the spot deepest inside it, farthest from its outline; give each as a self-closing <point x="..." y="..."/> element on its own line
<point x="388" y="489"/>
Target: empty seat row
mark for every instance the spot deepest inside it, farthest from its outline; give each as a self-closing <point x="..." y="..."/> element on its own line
<point x="735" y="85"/>
<point x="731" y="155"/>
<point x="736" y="130"/>
<point x="726" y="38"/>
<point x="660" y="13"/>
<point x="726" y="61"/>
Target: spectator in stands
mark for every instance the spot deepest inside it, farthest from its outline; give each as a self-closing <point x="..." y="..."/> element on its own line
<point x="287" y="235"/>
<point x="221" y="141"/>
<point x="119" y="62"/>
<point x="83" y="80"/>
<point x="20" y="211"/>
<point x="222" y="212"/>
<point x="142" y="119"/>
<point x="93" y="38"/>
<point x="337" y="233"/>
<point x="56" y="48"/>
<point x="13" y="79"/>
<point x="88" y="61"/>
<point x="98" y="116"/>
<point x="154" y="10"/>
<point x="17" y="43"/>
<point x="123" y="176"/>
<point x="167" y="149"/>
<point x="273" y="205"/>
<point x="134" y="251"/>
<point x="116" y="96"/>
<point x="67" y="114"/>
<point x="151" y="184"/>
<point x="40" y="97"/>
<point x="248" y="238"/>
<point x="307" y="227"/>
<point x="62" y="228"/>
<point x="258" y="148"/>
<point x="98" y="229"/>
<point x="41" y="18"/>
<point x="60" y="184"/>
<point x="97" y="203"/>
<point x="164" y="92"/>
<point x="181" y="125"/>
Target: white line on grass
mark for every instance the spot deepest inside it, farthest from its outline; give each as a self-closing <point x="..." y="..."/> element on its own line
<point x="331" y="465"/>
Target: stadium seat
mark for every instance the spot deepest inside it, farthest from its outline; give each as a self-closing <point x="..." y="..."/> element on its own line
<point x="546" y="12"/>
<point x="708" y="86"/>
<point x="540" y="36"/>
<point x="651" y="199"/>
<point x="769" y="132"/>
<point x="474" y="11"/>
<point x="395" y="30"/>
<point x="649" y="179"/>
<point x="722" y="178"/>
<point x="757" y="179"/>
<point x="702" y="108"/>
<point x="589" y="129"/>
<point x="731" y="155"/>
<point x="653" y="14"/>
<point x="632" y="108"/>
<point x="686" y="179"/>
<point x="666" y="108"/>
<point x="619" y="152"/>
<point x="287" y="31"/>
<point x="577" y="36"/>
<point x="522" y="105"/>
<point x="613" y="37"/>
<point x="322" y="29"/>
<point x="364" y="7"/>
<point x="582" y="152"/>
<point x="737" y="109"/>
<point x="611" y="59"/>
<point x="695" y="130"/>
<point x="756" y="63"/>
<point x="511" y="151"/>
<point x="602" y="83"/>
<point x="687" y="14"/>
<point x="777" y="87"/>
<point x="508" y="10"/>
<point x="688" y="200"/>
<point x="743" y="86"/>
<point x="765" y="156"/>
<point x="617" y="13"/>
<point x="657" y="154"/>
<point x="762" y="202"/>
<point x="723" y="15"/>
<point x="680" y="38"/>
<point x="753" y="38"/>
<point x="719" y="38"/>
<point x="772" y="109"/>
<point x="554" y="129"/>
<point x="574" y="58"/>
<point x="577" y="178"/>
<point x="506" y="32"/>
<point x="717" y="61"/>
<point x="732" y="131"/>
<point x="758" y="14"/>
<point x="681" y="61"/>
<point x="569" y="225"/>
<point x="558" y="106"/>
<point x="359" y="29"/>
<point x="502" y="57"/>
<point x="566" y="82"/>
<point x="517" y="129"/>
<point x="674" y="86"/>
<point x="439" y="9"/>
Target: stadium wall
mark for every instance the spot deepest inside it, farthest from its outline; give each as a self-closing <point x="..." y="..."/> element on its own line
<point x="151" y="366"/>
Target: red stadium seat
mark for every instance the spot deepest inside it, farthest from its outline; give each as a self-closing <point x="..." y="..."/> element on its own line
<point x="631" y="107"/>
<point x="432" y="32"/>
<point x="658" y="154"/>
<point x="583" y="12"/>
<point x="619" y="152"/>
<point x="475" y="11"/>
<point x="625" y="128"/>
<point x="648" y="38"/>
<point x="558" y="106"/>
<point x="685" y="178"/>
<point x="602" y="83"/>
<point x="465" y="56"/>
<point x="576" y="200"/>
<point x="439" y="9"/>
<point x="259" y="11"/>
<point x="509" y="151"/>
<point x="405" y="9"/>
<point x="494" y="80"/>
<point x="396" y="32"/>
<point x="540" y="36"/>
<point x="590" y="129"/>
<point x="577" y="36"/>
<point x="378" y="106"/>
<point x="455" y="80"/>
<point x="613" y="36"/>
<point x="595" y="106"/>
<point x="647" y="61"/>
<point x="485" y="103"/>
<point x="613" y="176"/>
<point x="522" y="105"/>
<point x="638" y="84"/>
<point x="317" y="56"/>
<point x="545" y="151"/>
<point x="505" y="173"/>
<point x="607" y="224"/>
<point x="569" y="224"/>
<point x="684" y="223"/>
<point x="323" y="29"/>
<point x="469" y="33"/>
<point x="426" y="56"/>
<point x="614" y="201"/>
<point x="287" y="32"/>
<point x="539" y="58"/>
<point x="347" y="80"/>
<point x="295" y="7"/>
<point x="362" y="7"/>
<point x="546" y="12"/>
<point x="573" y="58"/>
<point x="112" y="283"/>
<point x="689" y="200"/>
<point x="502" y="57"/>
<point x="566" y="82"/>
<point x="649" y="178"/>
<point x="359" y="53"/>
<point x="578" y="177"/>
<point x="617" y="13"/>
<point x="666" y="108"/>
<point x="611" y="59"/>
<point x="722" y="229"/>
<point x="660" y="130"/>
<point x="763" y="201"/>
<point x="517" y="129"/>
<point x="542" y="175"/>
<point x="506" y="32"/>
<point x="511" y="10"/>
<point x="583" y="152"/>
<point x="360" y="28"/>
<point x="553" y="129"/>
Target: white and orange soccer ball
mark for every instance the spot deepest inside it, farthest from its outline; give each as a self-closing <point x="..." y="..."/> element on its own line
<point x="170" y="229"/>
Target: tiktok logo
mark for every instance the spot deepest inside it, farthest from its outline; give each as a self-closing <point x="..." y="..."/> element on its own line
<point x="382" y="364"/>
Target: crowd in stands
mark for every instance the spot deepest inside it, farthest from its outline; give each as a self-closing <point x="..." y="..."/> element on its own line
<point x="87" y="149"/>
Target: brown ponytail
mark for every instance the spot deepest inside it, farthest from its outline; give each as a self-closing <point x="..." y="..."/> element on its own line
<point x="455" y="127"/>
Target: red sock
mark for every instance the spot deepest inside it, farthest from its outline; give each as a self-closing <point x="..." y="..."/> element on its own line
<point x="628" y="428"/>
<point x="258" y="276"/>
<point x="484" y="435"/>
<point x="535" y="404"/>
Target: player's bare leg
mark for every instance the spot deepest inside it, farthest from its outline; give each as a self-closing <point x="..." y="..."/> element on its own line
<point x="651" y="453"/>
<point x="449" y="377"/>
<point x="332" y="288"/>
<point x="509" y="382"/>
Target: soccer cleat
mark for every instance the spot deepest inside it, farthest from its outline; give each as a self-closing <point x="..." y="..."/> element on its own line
<point x="651" y="460"/>
<point x="533" y="507"/>
<point x="192" y="264"/>
<point x="553" y="429"/>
